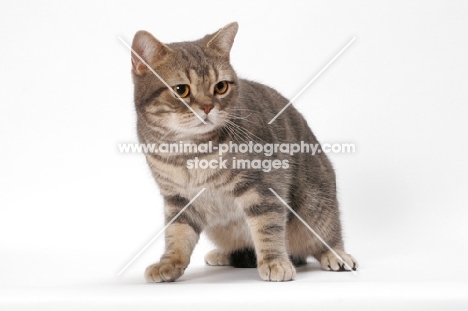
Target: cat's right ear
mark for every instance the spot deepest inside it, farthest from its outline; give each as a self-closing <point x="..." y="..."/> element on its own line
<point x="147" y="51"/>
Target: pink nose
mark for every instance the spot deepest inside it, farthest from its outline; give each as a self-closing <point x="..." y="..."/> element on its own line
<point x="207" y="108"/>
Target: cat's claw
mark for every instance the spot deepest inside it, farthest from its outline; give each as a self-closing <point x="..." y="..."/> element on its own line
<point x="329" y="262"/>
<point x="217" y="258"/>
<point x="163" y="272"/>
<point x="277" y="270"/>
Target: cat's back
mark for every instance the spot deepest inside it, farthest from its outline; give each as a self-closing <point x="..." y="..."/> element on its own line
<point x="266" y="102"/>
<point x="251" y="92"/>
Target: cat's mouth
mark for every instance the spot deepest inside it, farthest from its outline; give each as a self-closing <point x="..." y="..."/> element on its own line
<point x="207" y="121"/>
<point x="206" y="126"/>
<point x="210" y="122"/>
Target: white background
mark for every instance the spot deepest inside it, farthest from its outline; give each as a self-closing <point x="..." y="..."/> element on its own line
<point x="74" y="211"/>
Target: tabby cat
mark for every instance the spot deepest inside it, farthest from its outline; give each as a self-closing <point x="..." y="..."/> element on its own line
<point x="247" y="222"/>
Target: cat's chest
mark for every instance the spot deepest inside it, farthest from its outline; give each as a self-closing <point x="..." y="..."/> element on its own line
<point x="211" y="171"/>
<point x="212" y="187"/>
<point x="218" y="208"/>
<point x="190" y="172"/>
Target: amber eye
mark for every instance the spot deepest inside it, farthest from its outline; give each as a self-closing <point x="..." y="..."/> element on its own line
<point x="221" y="87"/>
<point x="183" y="90"/>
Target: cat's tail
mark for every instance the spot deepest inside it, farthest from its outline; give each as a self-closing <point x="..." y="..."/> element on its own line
<point x="246" y="258"/>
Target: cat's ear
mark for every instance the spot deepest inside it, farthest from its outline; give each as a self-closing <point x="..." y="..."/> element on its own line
<point x="149" y="51"/>
<point x="222" y="41"/>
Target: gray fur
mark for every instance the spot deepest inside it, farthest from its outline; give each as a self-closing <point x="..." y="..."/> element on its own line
<point x="237" y="211"/>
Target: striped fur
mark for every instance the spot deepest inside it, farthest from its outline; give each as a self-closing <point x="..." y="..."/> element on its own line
<point x="237" y="211"/>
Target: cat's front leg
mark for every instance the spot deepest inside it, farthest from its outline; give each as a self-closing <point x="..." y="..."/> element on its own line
<point x="267" y="223"/>
<point x="180" y="241"/>
<point x="181" y="237"/>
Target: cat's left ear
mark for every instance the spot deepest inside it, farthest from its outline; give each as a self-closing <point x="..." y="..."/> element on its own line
<point x="222" y="41"/>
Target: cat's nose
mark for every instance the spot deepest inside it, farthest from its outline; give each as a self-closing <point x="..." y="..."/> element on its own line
<point x="207" y="108"/>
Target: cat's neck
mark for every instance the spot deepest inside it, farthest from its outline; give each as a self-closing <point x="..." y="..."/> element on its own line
<point x="157" y="135"/>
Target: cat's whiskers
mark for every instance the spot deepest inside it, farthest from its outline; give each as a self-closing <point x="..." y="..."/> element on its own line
<point x="246" y="132"/>
<point x="236" y="117"/>
<point x="238" y="131"/>
<point x="232" y="133"/>
<point x="241" y="137"/>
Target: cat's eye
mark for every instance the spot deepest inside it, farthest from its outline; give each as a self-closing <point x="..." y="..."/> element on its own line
<point x="183" y="90"/>
<point x="221" y="87"/>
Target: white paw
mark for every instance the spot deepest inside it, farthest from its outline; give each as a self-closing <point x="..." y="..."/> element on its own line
<point x="163" y="272"/>
<point x="217" y="258"/>
<point x="328" y="261"/>
<point x="279" y="270"/>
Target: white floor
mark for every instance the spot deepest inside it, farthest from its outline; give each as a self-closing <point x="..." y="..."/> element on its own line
<point x="48" y="281"/>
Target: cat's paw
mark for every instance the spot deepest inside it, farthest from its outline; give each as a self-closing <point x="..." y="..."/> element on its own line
<point x="279" y="270"/>
<point x="328" y="261"/>
<point x="163" y="272"/>
<point x="217" y="258"/>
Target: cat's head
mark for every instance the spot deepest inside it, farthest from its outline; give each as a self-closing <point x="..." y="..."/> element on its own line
<point x="197" y="72"/>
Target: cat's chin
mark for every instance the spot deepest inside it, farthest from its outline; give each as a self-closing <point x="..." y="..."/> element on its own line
<point x="204" y="128"/>
<point x="195" y="126"/>
<point x="198" y="129"/>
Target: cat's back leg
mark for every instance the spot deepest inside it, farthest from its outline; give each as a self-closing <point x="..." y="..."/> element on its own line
<point x="304" y="242"/>
<point x="217" y="257"/>
<point x="234" y="244"/>
<point x="331" y="262"/>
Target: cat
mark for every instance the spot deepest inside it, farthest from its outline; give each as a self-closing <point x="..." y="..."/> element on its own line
<point x="238" y="212"/>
